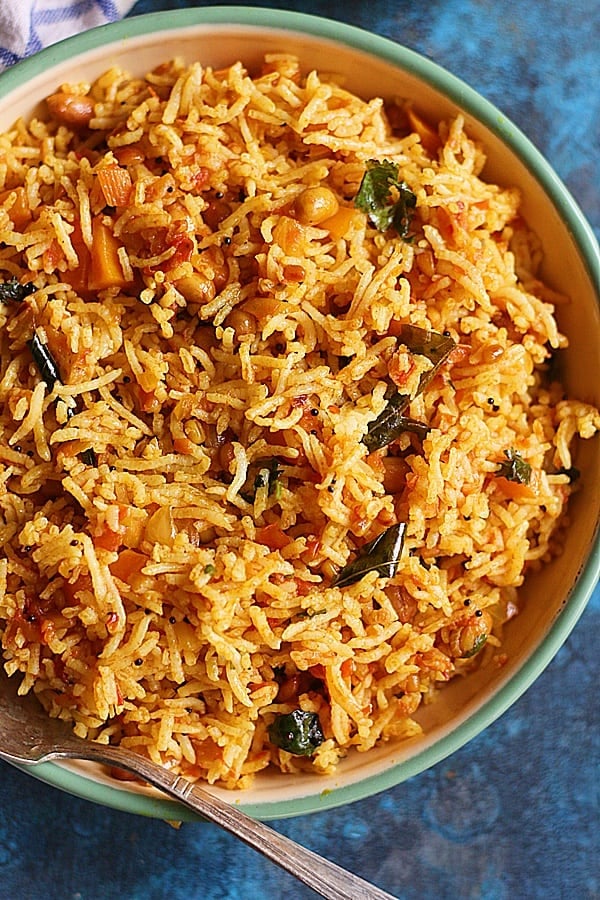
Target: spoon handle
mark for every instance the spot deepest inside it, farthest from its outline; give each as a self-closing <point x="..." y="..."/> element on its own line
<point x="326" y="878"/>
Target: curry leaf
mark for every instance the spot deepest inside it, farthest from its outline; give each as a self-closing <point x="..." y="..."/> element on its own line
<point x="48" y="369"/>
<point x="12" y="291"/>
<point x="514" y="468"/>
<point x="436" y="347"/>
<point x="391" y="421"/>
<point x="44" y="361"/>
<point x="381" y="555"/>
<point x="387" y="201"/>
<point x="263" y="473"/>
<point x="298" y="732"/>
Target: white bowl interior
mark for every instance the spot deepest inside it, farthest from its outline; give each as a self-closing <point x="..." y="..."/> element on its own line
<point x="466" y="704"/>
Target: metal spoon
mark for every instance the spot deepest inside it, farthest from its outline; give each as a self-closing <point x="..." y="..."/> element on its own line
<point x="28" y="736"/>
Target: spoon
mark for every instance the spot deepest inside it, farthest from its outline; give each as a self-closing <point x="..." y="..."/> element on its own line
<point x="28" y="736"/>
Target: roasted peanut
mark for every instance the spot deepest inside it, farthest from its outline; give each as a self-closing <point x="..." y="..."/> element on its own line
<point x="130" y="154"/>
<point x="215" y="212"/>
<point x="74" y="110"/>
<point x="395" y="470"/>
<point x="241" y="321"/>
<point x="196" y="288"/>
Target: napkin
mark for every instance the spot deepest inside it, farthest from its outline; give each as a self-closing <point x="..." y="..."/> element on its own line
<point x="27" y="26"/>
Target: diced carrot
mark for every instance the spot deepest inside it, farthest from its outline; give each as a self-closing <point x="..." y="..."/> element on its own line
<point x="514" y="490"/>
<point x="105" y="268"/>
<point x="430" y="139"/>
<point x="116" y="184"/>
<point x="78" y="278"/>
<point x="129" y="563"/>
<point x="273" y="537"/>
<point x="108" y="540"/>
<point x="183" y="445"/>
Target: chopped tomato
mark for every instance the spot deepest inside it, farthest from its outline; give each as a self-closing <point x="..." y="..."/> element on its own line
<point x="313" y="546"/>
<point x="72" y="590"/>
<point x="347" y="668"/>
<point x="400" y="368"/>
<point x="273" y="537"/>
<point x="290" y="236"/>
<point x="115" y="183"/>
<point x="111" y="622"/>
<point x="52" y="255"/>
<point x="108" y="540"/>
<point x="200" y="178"/>
<point x="129" y="563"/>
<point x="184" y="247"/>
<point x="207" y="751"/>
<point x="303" y="587"/>
<point x="19" y="213"/>
<point x="149" y="402"/>
<point x="318" y="671"/>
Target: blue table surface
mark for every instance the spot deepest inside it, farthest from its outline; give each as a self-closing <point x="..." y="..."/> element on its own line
<point x="514" y="814"/>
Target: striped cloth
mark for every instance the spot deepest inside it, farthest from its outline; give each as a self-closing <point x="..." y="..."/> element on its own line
<point x="27" y="26"/>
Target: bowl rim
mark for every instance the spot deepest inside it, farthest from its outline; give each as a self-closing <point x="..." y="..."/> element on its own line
<point x="585" y="241"/>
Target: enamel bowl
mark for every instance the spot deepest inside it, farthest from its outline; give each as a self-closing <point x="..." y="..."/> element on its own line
<point x="556" y="597"/>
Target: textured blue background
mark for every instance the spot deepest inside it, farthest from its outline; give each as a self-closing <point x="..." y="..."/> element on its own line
<point x="515" y="813"/>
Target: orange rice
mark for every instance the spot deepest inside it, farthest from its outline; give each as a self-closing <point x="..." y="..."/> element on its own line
<point x="178" y="503"/>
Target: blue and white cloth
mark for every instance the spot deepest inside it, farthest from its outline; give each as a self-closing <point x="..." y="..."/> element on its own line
<point x="27" y="26"/>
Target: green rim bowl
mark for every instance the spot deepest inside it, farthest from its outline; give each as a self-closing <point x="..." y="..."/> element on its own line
<point x="554" y="598"/>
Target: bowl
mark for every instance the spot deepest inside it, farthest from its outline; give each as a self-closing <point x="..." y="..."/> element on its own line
<point x="556" y="596"/>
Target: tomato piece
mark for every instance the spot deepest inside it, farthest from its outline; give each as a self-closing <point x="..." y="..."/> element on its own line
<point x="115" y="183"/>
<point x="129" y="563"/>
<point x="273" y="537"/>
